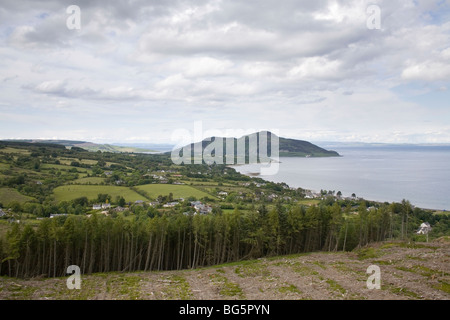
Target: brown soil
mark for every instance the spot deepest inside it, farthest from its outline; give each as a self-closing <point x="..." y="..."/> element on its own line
<point x="408" y="271"/>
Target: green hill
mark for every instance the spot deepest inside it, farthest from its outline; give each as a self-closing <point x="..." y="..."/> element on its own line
<point x="89" y="146"/>
<point x="253" y="142"/>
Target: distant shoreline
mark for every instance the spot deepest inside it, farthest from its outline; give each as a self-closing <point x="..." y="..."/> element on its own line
<point x="254" y="174"/>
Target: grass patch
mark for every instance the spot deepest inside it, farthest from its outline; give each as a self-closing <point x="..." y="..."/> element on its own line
<point x="252" y="270"/>
<point x="320" y="265"/>
<point x="124" y="287"/>
<point x="405" y="292"/>
<point x="11" y="150"/>
<point x="68" y="161"/>
<point x="8" y="195"/>
<point x="422" y="270"/>
<point x="178" y="288"/>
<point x="389" y="245"/>
<point x="71" y="192"/>
<point x="21" y="292"/>
<point x="89" y="180"/>
<point x="334" y="286"/>
<point x="298" y="267"/>
<point x="226" y="287"/>
<point x="4" y="166"/>
<point x="368" y="253"/>
<point x="178" y="191"/>
<point x="289" y="288"/>
<point x="443" y="286"/>
<point x="49" y="166"/>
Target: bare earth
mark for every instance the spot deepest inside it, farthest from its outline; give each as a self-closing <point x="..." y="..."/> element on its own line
<point x="408" y="271"/>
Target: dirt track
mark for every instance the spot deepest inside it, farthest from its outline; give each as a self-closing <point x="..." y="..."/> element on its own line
<point x="408" y="271"/>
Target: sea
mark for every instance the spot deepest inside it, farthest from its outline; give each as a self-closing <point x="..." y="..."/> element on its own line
<point x="385" y="173"/>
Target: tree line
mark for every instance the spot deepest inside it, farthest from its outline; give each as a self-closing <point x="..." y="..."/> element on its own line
<point x="179" y="241"/>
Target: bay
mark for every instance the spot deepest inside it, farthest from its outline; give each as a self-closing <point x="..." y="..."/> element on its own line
<point x="420" y="174"/>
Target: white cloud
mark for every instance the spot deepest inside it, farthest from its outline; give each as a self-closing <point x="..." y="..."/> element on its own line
<point x="427" y="71"/>
<point x="229" y="63"/>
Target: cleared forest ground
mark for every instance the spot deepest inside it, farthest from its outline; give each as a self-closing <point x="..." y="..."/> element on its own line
<point x="408" y="271"/>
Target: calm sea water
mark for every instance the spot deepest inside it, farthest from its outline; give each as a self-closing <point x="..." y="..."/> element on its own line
<point x="420" y="174"/>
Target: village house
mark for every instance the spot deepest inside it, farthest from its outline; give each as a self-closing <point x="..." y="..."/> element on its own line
<point x="119" y="209"/>
<point x="170" y="204"/>
<point x="101" y="206"/>
<point x="424" y="228"/>
<point x="2" y="213"/>
<point x="58" y="215"/>
<point x="272" y="196"/>
<point x="201" y="207"/>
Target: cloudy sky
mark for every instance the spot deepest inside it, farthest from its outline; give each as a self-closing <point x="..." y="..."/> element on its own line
<point x="136" y="71"/>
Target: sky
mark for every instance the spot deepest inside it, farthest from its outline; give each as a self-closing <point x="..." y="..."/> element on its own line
<point x="138" y="71"/>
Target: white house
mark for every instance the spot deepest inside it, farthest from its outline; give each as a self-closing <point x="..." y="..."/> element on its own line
<point x="170" y="204"/>
<point x="2" y="213"/>
<point x="97" y="207"/>
<point x="202" y="208"/>
<point x="58" y="215"/>
<point x="424" y="228"/>
<point x="106" y="205"/>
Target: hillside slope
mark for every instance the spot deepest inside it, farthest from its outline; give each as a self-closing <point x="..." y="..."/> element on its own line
<point x="287" y="147"/>
<point x="89" y="146"/>
<point x="408" y="271"/>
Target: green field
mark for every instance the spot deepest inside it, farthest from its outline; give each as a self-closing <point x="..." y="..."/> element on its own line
<point x="15" y="150"/>
<point x="68" y="161"/>
<point x="63" y="167"/>
<point x="178" y="191"/>
<point x="205" y="183"/>
<point x="89" y="180"/>
<point x="8" y="195"/>
<point x="4" y="166"/>
<point x="70" y="192"/>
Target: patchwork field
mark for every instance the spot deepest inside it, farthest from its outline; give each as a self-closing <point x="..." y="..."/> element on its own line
<point x="408" y="272"/>
<point x="89" y="180"/>
<point x="178" y="191"/>
<point x="4" y="166"/>
<point x="11" y="150"/>
<point x="8" y="195"/>
<point x="70" y="192"/>
<point x="64" y="167"/>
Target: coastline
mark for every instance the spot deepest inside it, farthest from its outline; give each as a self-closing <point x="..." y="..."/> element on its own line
<point x="258" y="175"/>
